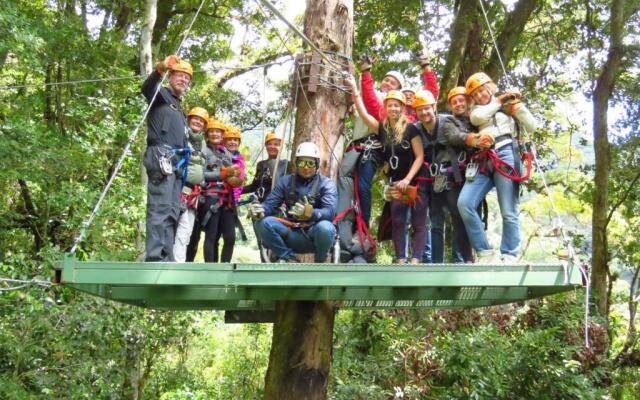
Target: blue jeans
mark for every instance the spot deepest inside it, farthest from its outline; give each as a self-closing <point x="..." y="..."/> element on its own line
<point x="472" y="194"/>
<point x="426" y="256"/>
<point x="366" y="172"/>
<point x="285" y="242"/>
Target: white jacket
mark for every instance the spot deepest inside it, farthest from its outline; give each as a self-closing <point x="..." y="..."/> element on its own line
<point x="489" y="120"/>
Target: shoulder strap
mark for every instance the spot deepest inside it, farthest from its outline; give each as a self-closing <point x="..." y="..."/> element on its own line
<point x="291" y="194"/>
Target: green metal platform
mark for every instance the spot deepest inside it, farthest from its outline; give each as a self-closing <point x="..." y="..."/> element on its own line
<point x="256" y="287"/>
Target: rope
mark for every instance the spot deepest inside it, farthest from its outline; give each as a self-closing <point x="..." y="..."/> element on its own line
<point x="296" y="30"/>
<point x="119" y="78"/>
<point x="495" y="43"/>
<point x="297" y="74"/>
<point x="86" y="223"/>
<point x="565" y="239"/>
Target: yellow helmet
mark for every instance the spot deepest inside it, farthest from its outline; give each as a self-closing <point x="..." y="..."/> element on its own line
<point x="458" y="90"/>
<point x="232" y="133"/>
<point x="199" y="112"/>
<point x="183" y="66"/>
<point x="270" y="136"/>
<point x="213" y="123"/>
<point x="395" y="95"/>
<point x="475" y="81"/>
<point x="423" y="98"/>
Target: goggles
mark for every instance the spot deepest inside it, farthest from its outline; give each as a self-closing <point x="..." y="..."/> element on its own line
<point x="306" y="164"/>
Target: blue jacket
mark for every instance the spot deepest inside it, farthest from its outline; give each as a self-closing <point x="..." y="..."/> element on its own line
<point x="325" y="204"/>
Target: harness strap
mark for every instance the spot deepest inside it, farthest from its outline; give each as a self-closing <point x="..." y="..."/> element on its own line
<point x="511" y="172"/>
<point x="361" y="225"/>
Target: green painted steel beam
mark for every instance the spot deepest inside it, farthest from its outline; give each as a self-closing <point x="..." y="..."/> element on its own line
<point x="246" y="287"/>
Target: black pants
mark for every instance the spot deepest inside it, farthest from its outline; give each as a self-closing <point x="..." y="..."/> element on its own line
<point x="461" y="247"/>
<point x="163" y="211"/>
<point x="220" y="223"/>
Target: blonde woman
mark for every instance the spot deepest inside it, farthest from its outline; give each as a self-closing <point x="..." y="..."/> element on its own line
<point x="404" y="152"/>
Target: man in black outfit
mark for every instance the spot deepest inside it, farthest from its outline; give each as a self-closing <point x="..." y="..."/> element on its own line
<point x="166" y="139"/>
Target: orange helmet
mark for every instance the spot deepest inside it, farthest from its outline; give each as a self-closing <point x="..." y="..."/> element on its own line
<point x="199" y="112"/>
<point x="213" y="123"/>
<point x="395" y="95"/>
<point x="475" y="81"/>
<point x="232" y="133"/>
<point x="458" y="90"/>
<point x="270" y="136"/>
<point x="423" y="98"/>
<point x="183" y="66"/>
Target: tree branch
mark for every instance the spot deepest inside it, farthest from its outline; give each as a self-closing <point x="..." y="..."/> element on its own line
<point x="255" y="65"/>
<point x="623" y="198"/>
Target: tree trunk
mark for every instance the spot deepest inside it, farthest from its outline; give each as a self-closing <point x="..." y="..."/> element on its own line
<point x="146" y="56"/>
<point x="460" y="30"/>
<point x="604" y="87"/>
<point x="302" y="345"/>
<point x="164" y="14"/>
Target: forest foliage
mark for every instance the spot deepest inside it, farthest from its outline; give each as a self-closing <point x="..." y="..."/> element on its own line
<point x="59" y="144"/>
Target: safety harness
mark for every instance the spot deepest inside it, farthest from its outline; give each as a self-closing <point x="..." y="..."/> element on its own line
<point x="361" y="226"/>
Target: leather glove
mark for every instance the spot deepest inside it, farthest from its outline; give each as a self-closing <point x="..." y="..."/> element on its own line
<point x="234" y="181"/>
<point x="365" y="62"/>
<point x="229" y="172"/>
<point x="256" y="211"/>
<point x="510" y="107"/>
<point x="510" y="95"/>
<point x="480" y="140"/>
<point x="167" y="64"/>
<point x="302" y="210"/>
<point x="472" y="140"/>
<point x="390" y="192"/>
<point x="422" y="58"/>
<point x="485" y="140"/>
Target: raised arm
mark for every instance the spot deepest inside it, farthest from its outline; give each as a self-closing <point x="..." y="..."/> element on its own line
<point x="367" y="118"/>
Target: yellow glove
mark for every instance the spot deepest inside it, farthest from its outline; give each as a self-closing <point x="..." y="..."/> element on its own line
<point x="302" y="210"/>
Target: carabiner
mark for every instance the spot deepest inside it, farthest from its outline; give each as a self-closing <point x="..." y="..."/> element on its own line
<point x="393" y="162"/>
<point x="433" y="169"/>
<point x="462" y="157"/>
<point x="405" y="145"/>
<point x="260" y="192"/>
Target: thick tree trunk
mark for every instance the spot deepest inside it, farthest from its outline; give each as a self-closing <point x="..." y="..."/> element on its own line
<point x="604" y="87"/>
<point x="146" y="56"/>
<point x="165" y="12"/>
<point x="302" y="345"/>
<point x="460" y="30"/>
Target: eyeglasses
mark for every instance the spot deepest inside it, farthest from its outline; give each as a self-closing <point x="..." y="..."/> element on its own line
<point x="305" y="164"/>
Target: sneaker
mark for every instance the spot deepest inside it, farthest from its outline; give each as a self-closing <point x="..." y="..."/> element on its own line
<point x="509" y="259"/>
<point x="289" y="259"/>
<point x="487" y="257"/>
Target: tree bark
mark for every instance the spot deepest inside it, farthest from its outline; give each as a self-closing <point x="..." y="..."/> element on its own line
<point x="508" y="37"/>
<point x="604" y="87"/>
<point x="302" y="345"/>
<point x="146" y="56"/>
<point x="460" y="29"/>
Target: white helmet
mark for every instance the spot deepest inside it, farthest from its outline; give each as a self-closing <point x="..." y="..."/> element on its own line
<point x="397" y="76"/>
<point x="308" y="149"/>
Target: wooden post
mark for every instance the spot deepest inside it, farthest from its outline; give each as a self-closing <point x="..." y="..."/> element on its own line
<point x="302" y="345"/>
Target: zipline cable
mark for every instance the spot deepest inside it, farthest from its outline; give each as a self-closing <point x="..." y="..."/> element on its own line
<point x="86" y="223"/>
<point x="296" y="30"/>
<point x="565" y="239"/>
<point x="120" y="78"/>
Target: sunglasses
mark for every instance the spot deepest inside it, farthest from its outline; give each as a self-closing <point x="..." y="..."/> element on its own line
<point x="305" y="164"/>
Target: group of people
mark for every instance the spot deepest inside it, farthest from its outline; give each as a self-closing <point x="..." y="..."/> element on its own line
<point x="434" y="162"/>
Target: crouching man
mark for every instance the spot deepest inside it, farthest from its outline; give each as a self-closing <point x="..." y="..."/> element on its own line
<point x="310" y="202"/>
